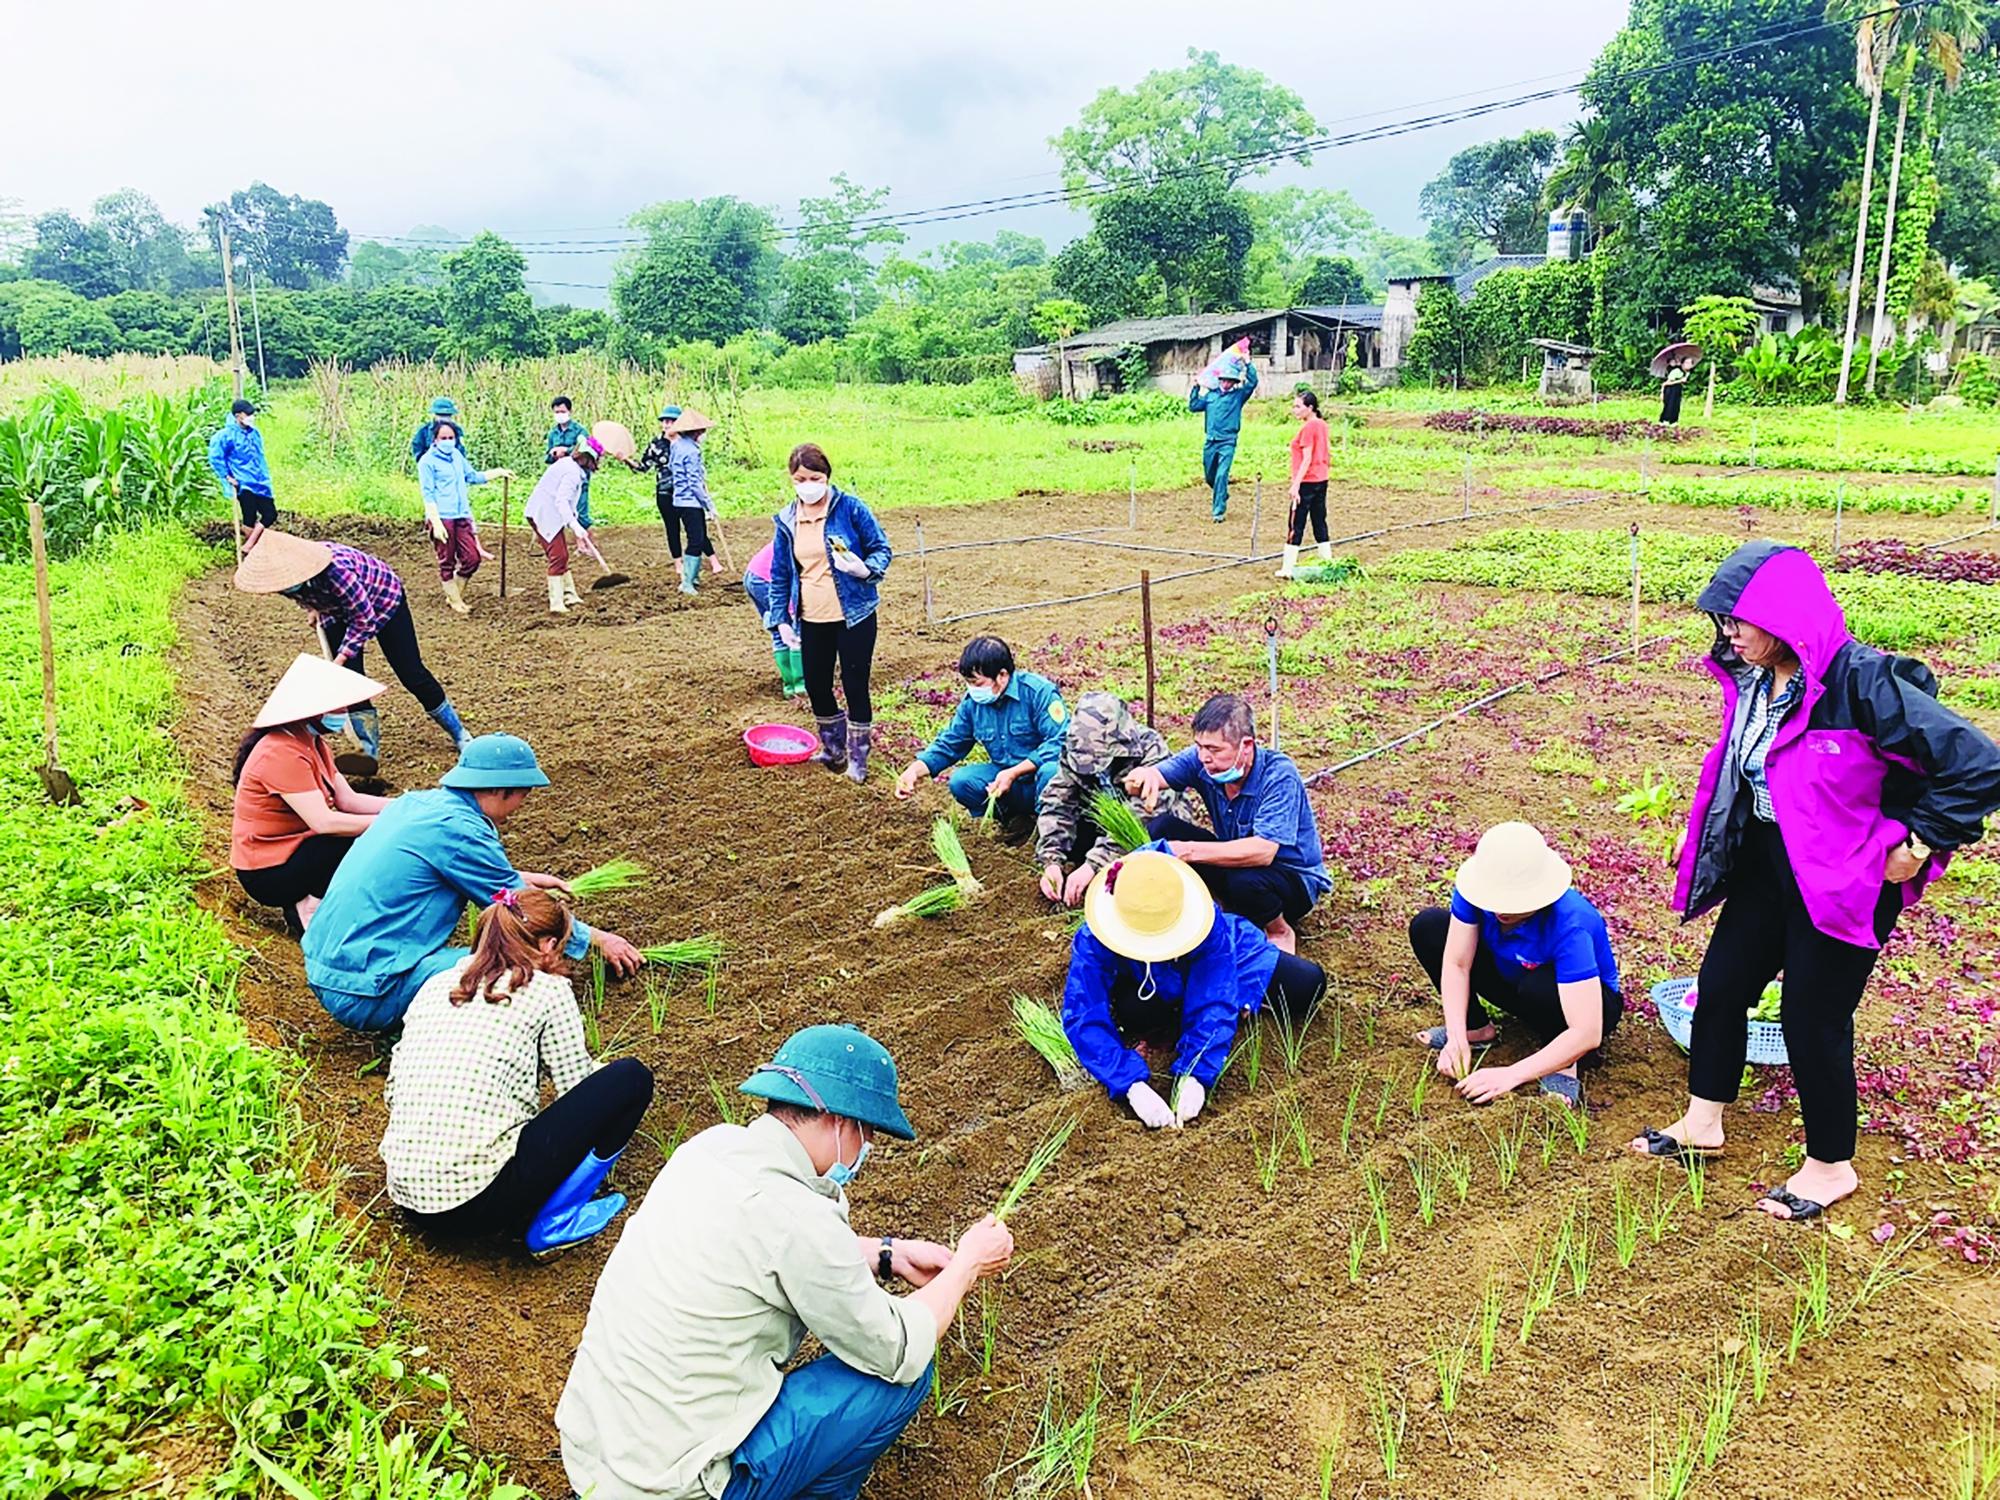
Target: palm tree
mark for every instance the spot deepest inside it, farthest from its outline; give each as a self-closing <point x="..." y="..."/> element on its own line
<point x="1871" y="52"/>
<point x="1591" y="175"/>
<point x="1942" y="31"/>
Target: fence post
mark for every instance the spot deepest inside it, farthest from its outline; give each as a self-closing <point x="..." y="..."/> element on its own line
<point x="1465" y="492"/>
<point x="503" y="537"/>
<point x="1146" y="622"/>
<point x="1271" y="661"/>
<point x="1635" y="592"/>
<point x="1993" y="509"/>
<point x="1256" y="508"/>
<point x="1839" y="506"/>
<point x="1132" y="496"/>
<point x="924" y="563"/>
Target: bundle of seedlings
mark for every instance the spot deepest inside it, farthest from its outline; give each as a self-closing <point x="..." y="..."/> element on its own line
<point x="601" y="880"/>
<point x="1042" y="1029"/>
<point x="951" y="854"/>
<point x="1114" y="815"/>
<point x="938" y="901"/>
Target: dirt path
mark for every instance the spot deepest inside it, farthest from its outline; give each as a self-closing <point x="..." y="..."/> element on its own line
<point x="1157" y="1255"/>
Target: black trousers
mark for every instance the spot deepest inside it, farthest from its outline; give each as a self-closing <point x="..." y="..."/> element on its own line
<point x="256" y="509"/>
<point x="596" y="1117"/>
<point x="398" y="640"/>
<point x="1531" y="999"/>
<point x="825" y="643"/>
<point x="307" y="873"/>
<point x="1295" y="989"/>
<point x="694" y="520"/>
<point x="1764" y="928"/>
<point x="1670" y="401"/>
<point x="1260" y="894"/>
<point x="1312" y="503"/>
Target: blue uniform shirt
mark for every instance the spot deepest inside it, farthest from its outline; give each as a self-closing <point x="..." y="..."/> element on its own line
<point x="1569" y="934"/>
<point x="1209" y="987"/>
<point x="1224" y="408"/>
<point x="403" y="889"/>
<point x="1272" y="804"/>
<point x="236" y="453"/>
<point x="1026" y="722"/>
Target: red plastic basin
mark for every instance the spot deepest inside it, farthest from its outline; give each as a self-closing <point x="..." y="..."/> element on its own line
<point x="778" y="744"/>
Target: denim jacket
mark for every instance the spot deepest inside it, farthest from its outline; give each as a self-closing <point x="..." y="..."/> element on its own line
<point x="848" y="518"/>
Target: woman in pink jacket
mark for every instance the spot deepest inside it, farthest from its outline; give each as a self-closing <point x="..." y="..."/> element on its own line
<point x="1837" y="790"/>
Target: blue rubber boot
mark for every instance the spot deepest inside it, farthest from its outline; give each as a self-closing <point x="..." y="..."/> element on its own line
<point x="571" y="1215"/>
<point x="446" y="718"/>
<point x="366" y="722"/>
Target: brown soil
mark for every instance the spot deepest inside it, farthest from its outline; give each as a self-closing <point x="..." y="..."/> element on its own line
<point x="1157" y="1255"/>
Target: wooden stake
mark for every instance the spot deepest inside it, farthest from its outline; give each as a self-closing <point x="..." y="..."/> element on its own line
<point x="1271" y="662"/>
<point x="1993" y="509"/>
<point x="924" y="562"/>
<point x="1635" y="591"/>
<point x="503" y="536"/>
<point x="55" y="780"/>
<point x="1465" y="491"/>
<point x="1146" y="623"/>
<point x="1839" y="505"/>
<point x="1256" y="508"/>
<point x="1132" y="494"/>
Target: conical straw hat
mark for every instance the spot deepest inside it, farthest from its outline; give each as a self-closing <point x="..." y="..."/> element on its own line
<point x="281" y="561"/>
<point x="690" y="421"/>
<point x="614" y="438"/>
<point x="313" y="686"/>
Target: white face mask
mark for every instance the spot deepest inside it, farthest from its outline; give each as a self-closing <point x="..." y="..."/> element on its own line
<point x="810" y="491"/>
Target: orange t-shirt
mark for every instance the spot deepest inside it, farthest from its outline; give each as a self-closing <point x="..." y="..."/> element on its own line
<point x="1312" y="458"/>
<point x="264" y="831"/>
<point x="819" y="599"/>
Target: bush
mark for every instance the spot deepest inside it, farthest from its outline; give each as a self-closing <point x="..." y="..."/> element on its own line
<point x="1128" y="406"/>
<point x="1789" y="369"/>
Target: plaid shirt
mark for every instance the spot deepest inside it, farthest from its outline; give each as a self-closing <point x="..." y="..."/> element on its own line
<point x="1758" y="727"/>
<point x="465" y="1079"/>
<point x="357" y="592"/>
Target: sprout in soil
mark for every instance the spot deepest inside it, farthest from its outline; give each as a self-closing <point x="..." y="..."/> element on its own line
<point x="1042" y="1029"/>
<point x="601" y="880"/>
<point x="1039" y="1161"/>
<point x="951" y="854"/>
<point x="1114" y="816"/>
<point x="938" y="901"/>
<point x="696" y="955"/>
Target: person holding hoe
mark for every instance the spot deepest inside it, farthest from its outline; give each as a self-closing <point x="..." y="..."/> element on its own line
<point x="443" y="476"/>
<point x="551" y="514"/>
<point x="1834" y="795"/>
<point x="1312" y="462"/>
<point x="353" y="598"/>
<point x="1519" y="936"/>
<point x="1102" y="746"/>
<point x="742" y="1247"/>
<point x="295" y="816"/>
<point x="386" y="924"/>
<point x="1222" y="395"/>
<point x="828" y="556"/>
<point x="565" y="438"/>
<point x="1264" y="859"/>
<point x="1017" y="718"/>
<point x="443" y="409"/>
<point x="693" y="508"/>
<point x="469" y="1148"/>
<point x="236" y="454"/>
<point x="1156" y="964"/>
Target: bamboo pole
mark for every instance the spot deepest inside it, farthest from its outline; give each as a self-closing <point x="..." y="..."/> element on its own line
<point x="235" y="316"/>
<point x="1839" y="507"/>
<point x="1146" y="623"/>
<point x="1132" y="497"/>
<point x="55" y="780"/>
<point x="1256" y="510"/>
<point x="1635" y="589"/>
<point x="503" y="536"/>
<point x="1271" y="664"/>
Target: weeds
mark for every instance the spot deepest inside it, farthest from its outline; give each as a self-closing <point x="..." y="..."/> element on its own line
<point x="1388" y="1421"/>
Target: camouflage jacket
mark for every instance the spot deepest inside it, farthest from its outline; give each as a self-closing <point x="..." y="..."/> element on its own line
<point x="1102" y="745"/>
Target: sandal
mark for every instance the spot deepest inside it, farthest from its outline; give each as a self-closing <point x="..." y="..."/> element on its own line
<point x="1659" y="1143"/>
<point x="1796" y="1207"/>
<point x="1562" y="1086"/>
<point x="1437" y="1036"/>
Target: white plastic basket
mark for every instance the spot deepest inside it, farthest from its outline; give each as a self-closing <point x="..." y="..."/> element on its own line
<point x="1767" y="1038"/>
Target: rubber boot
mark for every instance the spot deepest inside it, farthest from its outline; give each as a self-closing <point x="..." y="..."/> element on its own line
<point x="860" y="739"/>
<point x="366" y="722"/>
<point x="1291" y="562"/>
<point x="784" y="671"/>
<point x="1324" y="552"/>
<point x="447" y="719"/>
<point x="571" y="1215"/>
<point x="832" y="752"/>
<point x="794" y="672"/>
<point x="570" y="595"/>
<point x="454" y="595"/>
<point x="690" y="570"/>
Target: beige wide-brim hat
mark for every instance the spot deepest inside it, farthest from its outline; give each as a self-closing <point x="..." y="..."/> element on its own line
<point x="1513" y="871"/>
<point x="1150" y="907"/>
<point x="614" y="438"/>
<point x="312" y="686"/>
<point x="281" y="561"/>
<point x="690" y="421"/>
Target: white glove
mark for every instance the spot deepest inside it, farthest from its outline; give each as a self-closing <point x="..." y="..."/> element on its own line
<point x="789" y="636"/>
<point x="436" y="524"/>
<point x="1189" y="1101"/>
<point x="845" y="559"/>
<point x="1148" y="1106"/>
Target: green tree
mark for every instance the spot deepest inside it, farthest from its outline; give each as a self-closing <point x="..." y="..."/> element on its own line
<point x="674" y="292"/>
<point x="1112" y="286"/>
<point x="734" y="238"/>
<point x="74" y="255"/>
<point x="1722" y="326"/>
<point x="1490" y="195"/>
<point x="55" y="320"/>
<point x="1205" y="117"/>
<point x="814" y="303"/>
<point x="1193" y="232"/>
<point x="1437" y="348"/>
<point x="836" y="233"/>
<point x="1591" y="176"/>
<point x="393" y="322"/>
<point x="487" y="311"/>
<point x="1967" y="232"/>
<point x="576" y="330"/>
<point x="1331" y="281"/>
<point x="152" y="254"/>
<point x="289" y="241"/>
<point x="375" y="265"/>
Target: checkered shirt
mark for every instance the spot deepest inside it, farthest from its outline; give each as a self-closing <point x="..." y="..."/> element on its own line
<point x="358" y="592"/>
<point x="464" y="1080"/>
<point x="1762" y="716"/>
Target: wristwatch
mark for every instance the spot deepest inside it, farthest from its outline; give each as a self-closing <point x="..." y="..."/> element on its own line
<point x="1919" y="850"/>
<point x="884" y="1257"/>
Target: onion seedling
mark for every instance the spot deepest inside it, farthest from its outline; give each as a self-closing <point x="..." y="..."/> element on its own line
<point x="1330" y="1452"/>
<point x="951" y="854"/>
<point x="1625" y="1223"/>
<point x="1039" y="1161"/>
<point x="1697" y="1182"/>
<point x="1378" y="1203"/>
<point x="701" y="955"/>
<point x="1977" y="1473"/>
<point x="1508" y="1148"/>
<point x="1457" y="1169"/>
<point x="1424" y="1177"/>
<point x="1719" y="1398"/>
<point x="1295" y="1127"/>
<point x="1144" y="1418"/>
<point x="1357" y="1247"/>
<point x="1115" y="819"/>
<point x="1545" y="1275"/>
<point x="1888" y="1269"/>
<point x="1750" y="1331"/>
<point x="1065" y="1441"/>
<point x="1660" y="1218"/>
<point x="1291" y="1039"/>
<point x="725" y="1104"/>
<point x="1347" y="1115"/>
<point x="602" y="880"/>
<point x="938" y="901"/>
<point x="946" y="1403"/>
<point x="1388" y="1422"/>
<point x="1576" y="1122"/>
<point x="1551" y="1139"/>
<point x="1580" y="1243"/>
<point x="1042" y="1029"/>
<point x="1269" y="1156"/>
<point x="1382" y="1104"/>
<point x="1420" y="1086"/>
<point x="1671" y="1480"/>
<point x="1491" y="1305"/>
<point x="1449" y="1359"/>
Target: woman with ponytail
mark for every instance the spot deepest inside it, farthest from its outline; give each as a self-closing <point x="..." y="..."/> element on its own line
<point x="468" y="1149"/>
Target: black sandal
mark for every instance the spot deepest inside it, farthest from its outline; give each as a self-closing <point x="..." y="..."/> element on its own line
<point x="1798" y="1208"/>
<point x="1659" y="1143"/>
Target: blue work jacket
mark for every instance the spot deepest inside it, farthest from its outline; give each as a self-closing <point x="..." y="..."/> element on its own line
<point x="848" y="518"/>
<point x="1224" y="408"/>
<point x="1026" y="722"/>
<point x="443" y="480"/>
<point x="236" y="453"/>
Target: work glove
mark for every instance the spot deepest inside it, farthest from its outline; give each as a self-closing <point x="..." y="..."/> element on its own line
<point x="493" y="474"/>
<point x="435" y="522"/>
<point x="845" y="559"/>
<point x="1189" y="1100"/>
<point x="789" y="636"/>
<point x="1149" y="1107"/>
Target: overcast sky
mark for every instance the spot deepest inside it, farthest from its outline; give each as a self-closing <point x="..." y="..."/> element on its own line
<point x="545" y="120"/>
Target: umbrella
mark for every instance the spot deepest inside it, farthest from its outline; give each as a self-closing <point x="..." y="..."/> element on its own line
<point x="1674" y="354"/>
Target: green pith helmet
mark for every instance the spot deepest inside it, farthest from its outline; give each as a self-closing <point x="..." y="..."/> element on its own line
<point x="444" y="406"/>
<point x="838" y="1070"/>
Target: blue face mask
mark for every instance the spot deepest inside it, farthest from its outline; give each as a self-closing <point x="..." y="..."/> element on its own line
<point x="840" y="1174"/>
<point x="982" y="694"/>
<point x="447" y="446"/>
<point x="1233" y="774"/>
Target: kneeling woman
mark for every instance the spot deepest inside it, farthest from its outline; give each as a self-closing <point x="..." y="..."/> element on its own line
<point x="1156" y="961"/>
<point x="295" y="816"/>
<point x="1522" y="939"/>
<point x="467" y="1150"/>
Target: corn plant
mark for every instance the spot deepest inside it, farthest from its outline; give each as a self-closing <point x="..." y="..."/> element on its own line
<point x="1347" y="1115"/>
<point x="1508" y="1148"/>
<point x="1115" y="819"/>
<point x="938" y="901"/>
<point x="1042" y="1029"/>
<point x="602" y="880"/>
<point x="1491" y="1305"/>
<point x="1424" y="1178"/>
<point x="1670" y="1467"/>
<point x="1378" y="1203"/>
<point x="1449" y="1357"/>
<point x="1145" y="1418"/>
<point x="1625" y="1223"/>
<point x="951" y="854"/>
<point x="1724" y="1387"/>
<point x="1389" y="1421"/>
<point x="1039" y="1161"/>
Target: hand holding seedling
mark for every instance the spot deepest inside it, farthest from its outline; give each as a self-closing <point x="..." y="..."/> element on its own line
<point x="1454" y="1058"/>
<point x="1484" y="1085"/>
<point x="845" y="560"/>
<point x="537" y="880"/>
<point x="1188" y="1100"/>
<point x="914" y="775"/>
<point x="619" y="955"/>
<point x="1147" y="783"/>
<point x="987" y="1247"/>
<point x="1149" y="1107"/>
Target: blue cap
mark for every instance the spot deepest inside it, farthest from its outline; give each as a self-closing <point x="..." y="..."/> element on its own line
<point x="670" y="413"/>
<point x="838" y="1070"/>
<point x="496" y="762"/>
<point x="444" y="406"/>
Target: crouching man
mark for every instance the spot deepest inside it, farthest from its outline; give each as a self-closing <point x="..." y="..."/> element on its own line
<point x="741" y="1248"/>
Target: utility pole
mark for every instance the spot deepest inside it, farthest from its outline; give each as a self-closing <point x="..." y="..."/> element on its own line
<point x="229" y="291"/>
